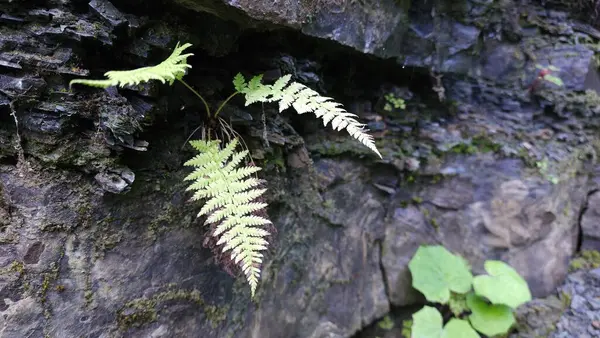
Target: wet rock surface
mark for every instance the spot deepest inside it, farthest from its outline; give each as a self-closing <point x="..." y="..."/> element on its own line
<point x="98" y="239"/>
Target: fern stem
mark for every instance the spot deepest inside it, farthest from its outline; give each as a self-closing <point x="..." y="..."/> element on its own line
<point x="197" y="94"/>
<point x="225" y="102"/>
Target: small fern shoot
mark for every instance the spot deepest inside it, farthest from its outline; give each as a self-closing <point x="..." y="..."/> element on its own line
<point x="171" y="69"/>
<point x="304" y="100"/>
<point x="230" y="194"/>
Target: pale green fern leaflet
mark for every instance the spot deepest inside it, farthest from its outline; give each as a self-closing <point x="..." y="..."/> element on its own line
<point x="230" y="194"/>
<point x="304" y="100"/>
<point x="173" y="68"/>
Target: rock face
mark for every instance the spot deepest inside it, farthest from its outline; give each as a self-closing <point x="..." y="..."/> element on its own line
<point x="97" y="238"/>
<point x="582" y="295"/>
<point x="590" y="223"/>
<point x="492" y="209"/>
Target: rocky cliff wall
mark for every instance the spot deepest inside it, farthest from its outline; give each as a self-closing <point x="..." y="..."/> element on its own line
<point x="98" y="238"/>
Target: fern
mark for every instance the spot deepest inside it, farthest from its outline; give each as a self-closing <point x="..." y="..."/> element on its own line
<point x="232" y="196"/>
<point x="304" y="100"/>
<point x="231" y="193"/>
<point x="173" y="68"/>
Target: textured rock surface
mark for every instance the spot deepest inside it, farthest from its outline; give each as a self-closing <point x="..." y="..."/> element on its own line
<point x="97" y="238"/>
<point x="491" y="209"/>
<point x="445" y="35"/>
<point x="582" y="318"/>
<point x="590" y="223"/>
<point x="315" y="284"/>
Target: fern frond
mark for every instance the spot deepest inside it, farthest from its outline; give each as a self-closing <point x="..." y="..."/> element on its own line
<point x="304" y="100"/>
<point x="254" y="90"/>
<point x="239" y="83"/>
<point x="171" y="69"/>
<point x="231" y="202"/>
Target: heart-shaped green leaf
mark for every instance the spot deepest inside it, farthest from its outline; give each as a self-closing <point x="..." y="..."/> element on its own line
<point x="427" y="323"/>
<point x="436" y="271"/>
<point x="503" y="285"/>
<point x="458" y="328"/>
<point x="489" y="319"/>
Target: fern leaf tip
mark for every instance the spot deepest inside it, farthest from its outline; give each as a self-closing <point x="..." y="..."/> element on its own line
<point x="174" y="67"/>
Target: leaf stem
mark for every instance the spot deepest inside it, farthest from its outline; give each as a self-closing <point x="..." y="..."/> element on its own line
<point x="225" y="102"/>
<point x="198" y="95"/>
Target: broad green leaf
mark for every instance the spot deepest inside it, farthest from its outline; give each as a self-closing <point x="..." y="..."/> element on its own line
<point x="458" y="328"/>
<point x="427" y="323"/>
<point x="503" y="285"/>
<point x="436" y="271"/>
<point x="487" y="318"/>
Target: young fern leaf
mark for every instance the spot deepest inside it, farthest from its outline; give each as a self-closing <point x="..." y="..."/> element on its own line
<point x="171" y="69"/>
<point x="304" y="100"/>
<point x="231" y="192"/>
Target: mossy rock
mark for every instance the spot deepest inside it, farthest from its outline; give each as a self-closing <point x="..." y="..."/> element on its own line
<point x="587" y="259"/>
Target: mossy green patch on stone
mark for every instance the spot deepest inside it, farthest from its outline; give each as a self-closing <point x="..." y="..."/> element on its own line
<point x="16" y="266"/>
<point x="435" y="224"/>
<point x="407" y="328"/>
<point x="328" y="204"/>
<point x="463" y="148"/>
<point x="485" y="144"/>
<point x="215" y="314"/>
<point x="386" y="323"/>
<point x="274" y="160"/>
<point x="141" y="311"/>
<point x="105" y="241"/>
<point x="587" y="259"/>
<point x="477" y="144"/>
<point x="48" y="277"/>
<point x="565" y="298"/>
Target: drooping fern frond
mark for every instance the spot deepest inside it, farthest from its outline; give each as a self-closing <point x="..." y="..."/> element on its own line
<point x="171" y="69"/>
<point x="304" y="100"/>
<point x="231" y="202"/>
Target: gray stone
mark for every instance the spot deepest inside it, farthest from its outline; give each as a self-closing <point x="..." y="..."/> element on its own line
<point x="538" y="318"/>
<point x="590" y="223"/>
<point x="594" y="304"/>
<point x="116" y="180"/>
<point x="581" y="321"/>
<point x="108" y="12"/>
<point x="578" y="303"/>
